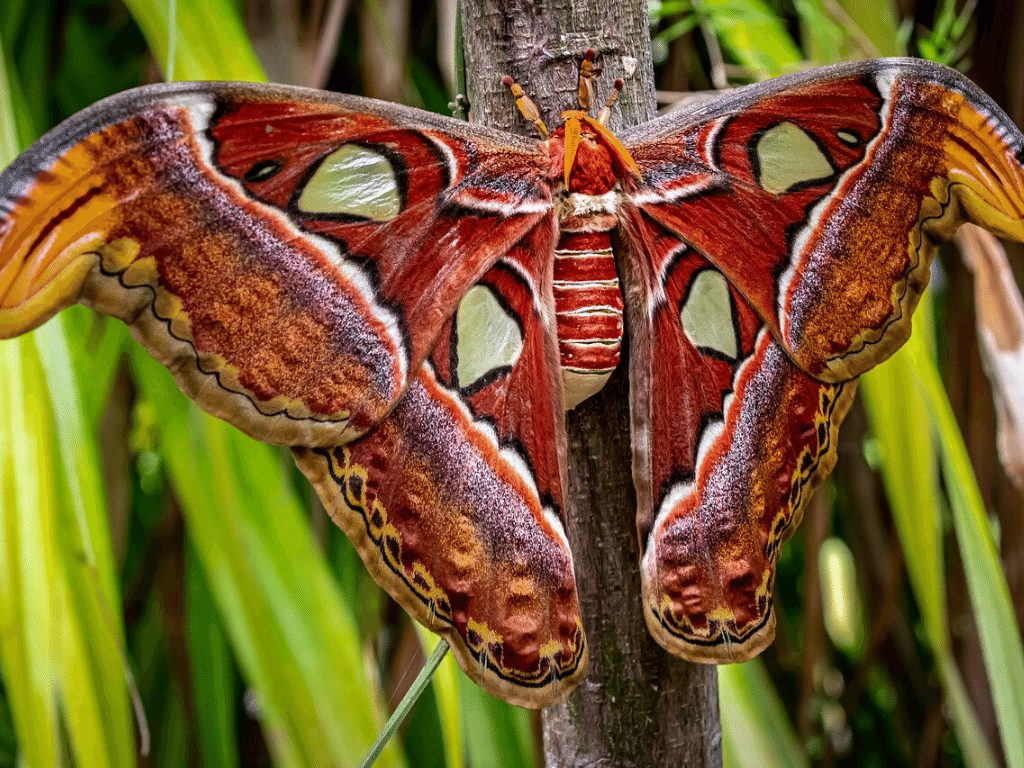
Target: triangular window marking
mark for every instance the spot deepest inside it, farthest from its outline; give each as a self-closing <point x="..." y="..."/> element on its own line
<point x="707" y="314"/>
<point x="488" y="337"/>
<point x="788" y="156"/>
<point x="353" y="181"/>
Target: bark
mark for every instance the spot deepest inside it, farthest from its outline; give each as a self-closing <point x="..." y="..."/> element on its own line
<point x="637" y="706"/>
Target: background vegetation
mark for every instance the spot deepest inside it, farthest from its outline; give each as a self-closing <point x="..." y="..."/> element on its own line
<point x="168" y="585"/>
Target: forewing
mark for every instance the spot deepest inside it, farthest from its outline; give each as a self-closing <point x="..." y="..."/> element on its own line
<point x="455" y="500"/>
<point x="729" y="439"/>
<point x="290" y="255"/>
<point x="822" y="196"/>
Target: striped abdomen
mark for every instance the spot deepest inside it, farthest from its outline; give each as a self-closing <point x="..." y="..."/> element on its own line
<point x="588" y="306"/>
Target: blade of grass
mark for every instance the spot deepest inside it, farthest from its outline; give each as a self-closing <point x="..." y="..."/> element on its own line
<point x="28" y="643"/>
<point x="212" y="669"/>
<point x="497" y="734"/>
<point x="59" y="534"/>
<point x="295" y="639"/>
<point x="901" y="421"/>
<point x="753" y="34"/>
<point x="446" y="692"/>
<point x="756" y="731"/>
<point x="1001" y="645"/>
<point x="415" y="690"/>
<point x="94" y="671"/>
<point x="210" y="40"/>
<point x="97" y="345"/>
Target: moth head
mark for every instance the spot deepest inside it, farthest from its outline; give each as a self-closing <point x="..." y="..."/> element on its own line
<point x="586" y="140"/>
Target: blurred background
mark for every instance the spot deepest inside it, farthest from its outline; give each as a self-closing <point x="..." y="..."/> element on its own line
<point x="170" y="585"/>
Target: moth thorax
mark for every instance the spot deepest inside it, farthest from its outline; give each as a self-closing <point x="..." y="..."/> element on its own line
<point x="588" y="307"/>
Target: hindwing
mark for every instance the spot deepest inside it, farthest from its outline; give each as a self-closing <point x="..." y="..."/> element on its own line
<point x="455" y="500"/>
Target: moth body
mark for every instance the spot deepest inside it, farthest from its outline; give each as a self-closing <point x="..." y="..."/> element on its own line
<point x="381" y="289"/>
<point x="588" y="295"/>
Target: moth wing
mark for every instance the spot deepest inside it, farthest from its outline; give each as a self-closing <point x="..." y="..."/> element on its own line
<point x="289" y="254"/>
<point x="454" y="501"/>
<point x="823" y="196"/>
<point x="730" y="437"/>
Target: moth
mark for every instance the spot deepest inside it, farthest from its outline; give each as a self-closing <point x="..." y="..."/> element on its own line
<point x="411" y="303"/>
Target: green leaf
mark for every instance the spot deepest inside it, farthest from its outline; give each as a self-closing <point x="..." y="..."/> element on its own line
<point x="212" y="669"/>
<point x="99" y="721"/>
<point x="497" y="734"/>
<point x="211" y="43"/>
<point x="756" y="731"/>
<point x="62" y="650"/>
<point x="753" y="34"/>
<point x="295" y="639"/>
<point x="445" y="684"/>
<point x="900" y="417"/>
<point x="1001" y="646"/>
<point x="28" y="560"/>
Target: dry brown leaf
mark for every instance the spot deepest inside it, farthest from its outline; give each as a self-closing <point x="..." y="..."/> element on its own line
<point x="1000" y="319"/>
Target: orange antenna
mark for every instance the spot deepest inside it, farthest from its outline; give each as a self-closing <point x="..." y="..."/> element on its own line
<point x="573" y="131"/>
<point x="606" y="111"/>
<point x="526" y="106"/>
<point x="587" y="74"/>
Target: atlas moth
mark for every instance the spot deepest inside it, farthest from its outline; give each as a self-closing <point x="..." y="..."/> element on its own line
<point x="411" y="302"/>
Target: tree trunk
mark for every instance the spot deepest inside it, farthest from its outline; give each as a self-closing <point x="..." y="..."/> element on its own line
<point x="637" y="706"/>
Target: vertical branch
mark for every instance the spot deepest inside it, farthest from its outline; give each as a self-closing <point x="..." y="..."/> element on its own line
<point x="637" y="705"/>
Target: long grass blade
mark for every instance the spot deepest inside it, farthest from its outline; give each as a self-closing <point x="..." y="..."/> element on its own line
<point x="446" y="692"/>
<point x="756" y="732"/>
<point x="754" y="35"/>
<point x="213" y="673"/>
<point x="56" y="544"/>
<point x="28" y="562"/>
<point x="296" y="640"/>
<point x="209" y="39"/>
<point x="901" y="422"/>
<point x="1001" y="645"/>
<point x="497" y="734"/>
<point x="94" y="666"/>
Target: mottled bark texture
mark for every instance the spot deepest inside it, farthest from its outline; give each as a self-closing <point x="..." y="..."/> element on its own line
<point x="638" y="706"/>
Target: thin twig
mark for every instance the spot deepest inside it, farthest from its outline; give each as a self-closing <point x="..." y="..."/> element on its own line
<point x="327" y="43"/>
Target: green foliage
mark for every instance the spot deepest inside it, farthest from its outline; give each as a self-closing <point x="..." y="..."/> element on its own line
<point x="154" y="553"/>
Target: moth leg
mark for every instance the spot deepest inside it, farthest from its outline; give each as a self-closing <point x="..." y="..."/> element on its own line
<point x="526" y="106"/>
<point x="587" y="74"/>
<point x="606" y="111"/>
